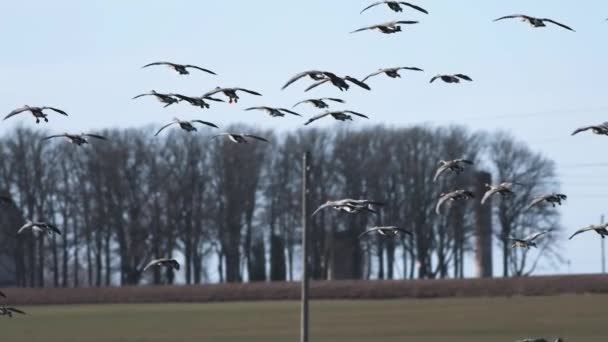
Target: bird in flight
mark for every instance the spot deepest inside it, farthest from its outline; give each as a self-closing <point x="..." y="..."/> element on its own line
<point x="350" y="206"/>
<point x="163" y="262"/>
<point x="196" y="101"/>
<point x="388" y="231"/>
<point x="503" y="189"/>
<point x="391" y="72"/>
<point x="344" y="115"/>
<point x="456" y="78"/>
<point x="453" y="196"/>
<point x="455" y="165"/>
<point x="167" y="99"/>
<point x="42" y="227"/>
<point x="387" y="28"/>
<point x="601" y="129"/>
<point x="320" y="103"/>
<point x="274" y="112"/>
<point x="77" y="139"/>
<point x="37" y="112"/>
<point x="601" y="229"/>
<point x="528" y="241"/>
<point x="231" y="93"/>
<point x="182" y="69"/>
<point x="9" y="311"/>
<point x="554" y="198"/>
<point x="187" y="126"/>
<point x="396" y="6"/>
<point x="240" y="138"/>
<point x="535" y="22"/>
<point x="340" y="83"/>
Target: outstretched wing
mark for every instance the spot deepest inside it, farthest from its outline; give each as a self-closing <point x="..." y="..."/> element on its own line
<point x="152" y="263"/>
<point x="100" y="137"/>
<point x="213" y="92"/>
<point x="439" y="172"/>
<point x="26" y="226"/>
<point x="248" y="91"/>
<point x="372" y="5"/>
<point x="256" y="137"/>
<point x="53" y="228"/>
<point x="487" y="195"/>
<point x="440" y="203"/>
<point x="199" y="68"/>
<point x="417" y="8"/>
<point x="558" y="24"/>
<point x="537" y="201"/>
<point x="158" y="63"/>
<point x="466" y="161"/>
<point x="323" y="206"/>
<point x="536" y="235"/>
<point x="141" y="95"/>
<point x="580" y="231"/>
<point x="55" y="110"/>
<point x="464" y="77"/>
<point x="355" y="113"/>
<point x="316" y="117"/>
<point x="288" y="111"/>
<point x="357" y="82"/>
<point x="54" y="136"/>
<point x="299" y="76"/>
<point x="380" y="71"/>
<point x="16" y="311"/>
<point x="583" y="129"/>
<point x="314" y="85"/>
<point x="513" y="16"/>
<point x="365" y="29"/>
<point x="162" y="128"/>
<point x="333" y="99"/>
<point x="205" y="123"/>
<point x="435" y="78"/>
<point x="368" y="231"/>
<point x="16" y="111"/>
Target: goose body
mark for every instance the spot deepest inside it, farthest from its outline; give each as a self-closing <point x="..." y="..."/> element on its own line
<point x="503" y="189"/>
<point x="240" y="138"/>
<point x="274" y="112"/>
<point x="196" y="101"/>
<point x="528" y="241"/>
<point x="453" y="196"/>
<point x="350" y="206"/>
<point x="456" y="165"/>
<point x="321" y="103"/>
<point x="344" y="115"/>
<point x="37" y="112"/>
<point x="387" y="231"/>
<point x="42" y="227"/>
<point x="163" y="262"/>
<point x="187" y="126"/>
<point x="387" y="28"/>
<point x="231" y="93"/>
<point x="554" y="199"/>
<point x="167" y="99"/>
<point x="77" y="139"/>
<point x="340" y="82"/>
<point x="182" y="69"/>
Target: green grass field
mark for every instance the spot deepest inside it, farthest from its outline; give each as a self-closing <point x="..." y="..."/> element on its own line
<point x="576" y="318"/>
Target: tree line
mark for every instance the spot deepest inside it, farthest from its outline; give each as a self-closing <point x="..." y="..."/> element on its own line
<point x="233" y="210"/>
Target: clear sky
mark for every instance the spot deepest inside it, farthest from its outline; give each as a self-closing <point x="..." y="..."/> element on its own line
<point x="540" y="84"/>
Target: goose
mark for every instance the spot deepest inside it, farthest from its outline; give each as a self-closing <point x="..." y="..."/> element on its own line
<point x="196" y="101"/>
<point x="167" y="99"/>
<point x="453" y="196"/>
<point x="240" y="138"/>
<point x="503" y="189"/>
<point x="387" y="28"/>
<point x="231" y="93"/>
<point x="274" y="112"/>
<point x="338" y="115"/>
<point x="350" y="206"/>
<point x="535" y="22"/>
<point x="182" y="69"/>
<point x="388" y="231"/>
<point x="396" y="6"/>
<point x="391" y="72"/>
<point x="601" y="129"/>
<point x="451" y="78"/>
<point x="340" y="83"/>
<point x="9" y="311"/>
<point x="554" y="199"/>
<point x="601" y="229"/>
<point x="37" y="112"/>
<point x="315" y="75"/>
<point x="42" y="227"/>
<point x="163" y="262"/>
<point x="533" y="340"/>
<point x="77" y="139"/>
<point x="528" y="241"/>
<point x="451" y="165"/>
<point x="187" y="126"/>
<point x="319" y="103"/>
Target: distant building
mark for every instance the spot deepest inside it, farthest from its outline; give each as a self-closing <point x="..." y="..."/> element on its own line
<point x="9" y="219"/>
<point x="483" y="228"/>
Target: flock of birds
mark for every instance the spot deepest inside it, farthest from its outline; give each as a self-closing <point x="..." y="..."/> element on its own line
<point x="343" y="83"/>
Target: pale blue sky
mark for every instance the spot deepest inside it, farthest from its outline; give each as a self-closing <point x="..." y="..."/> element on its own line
<point x="85" y="57"/>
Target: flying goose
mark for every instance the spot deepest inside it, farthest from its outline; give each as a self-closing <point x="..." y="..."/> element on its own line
<point x="315" y="75"/>
<point x="387" y="28"/>
<point x="503" y="189"/>
<point x="274" y="112"/>
<point x="197" y="101"/>
<point x="163" y="262"/>
<point x="528" y="241"/>
<point x="320" y="103"/>
<point x="340" y="83"/>
<point x="338" y="115"/>
<point x="601" y="129"/>
<point x="391" y="72"/>
<point x="42" y="227"/>
<point x="77" y="139"/>
<point x="533" y="340"/>
<point x="535" y="22"/>
<point x="451" y="165"/>
<point x="396" y="6"/>
<point x="180" y="68"/>
<point x="350" y="206"/>
<point x="451" y="78"/>
<point x="231" y="93"/>
<point x="453" y="196"/>
<point x="601" y="229"/>
<point x="9" y="311"/>
<point x="240" y="138"/>
<point x="388" y="231"/>
<point x="37" y="112"/>
<point x="167" y="99"/>
<point x="187" y="126"/>
<point x="554" y="199"/>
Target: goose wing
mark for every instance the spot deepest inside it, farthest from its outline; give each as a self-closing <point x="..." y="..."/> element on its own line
<point x="299" y="76"/>
<point x="15" y="310"/>
<point x="487" y="195"/>
<point x="440" y="171"/>
<point x="256" y="137"/>
<point x="368" y="231"/>
<point x="380" y="71"/>
<point x="537" y="201"/>
<point x="355" y="113"/>
<point x="323" y="206"/>
<point x="205" y="123"/>
<point x="314" y="85"/>
<point x="142" y="95"/>
<point x="357" y="82"/>
<point x="316" y="117"/>
<point x="211" y="99"/>
<point x="417" y="8"/>
<point x="333" y="99"/>
<point x="583" y="129"/>
<point x="372" y="5"/>
<point x="54" y="136"/>
<point x="258" y="108"/>
<point x="435" y="78"/>
<point x="213" y="92"/>
<point x="512" y="16"/>
<point x="464" y="77"/>
<point x="365" y="28"/>
<point x="55" y="110"/>
<point x="16" y="111"/>
<point x="27" y="225"/>
<point x="558" y="24"/>
<point x="582" y="230"/>
<point x="409" y="68"/>
<point x="96" y="136"/>
<point x="220" y="135"/>
<point x="158" y="63"/>
<point x="536" y="235"/>
<point x="199" y="68"/>
<point x="288" y="111"/>
<point x="406" y="22"/>
<point x="248" y="91"/>
<point x="299" y="103"/>
<point x="53" y="228"/>
<point x="465" y="161"/>
<point x="442" y="200"/>
<point x="165" y="126"/>
<point x="154" y="263"/>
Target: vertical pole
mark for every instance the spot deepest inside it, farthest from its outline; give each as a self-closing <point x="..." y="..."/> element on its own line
<point x="304" y="308"/>
<point x="603" y="252"/>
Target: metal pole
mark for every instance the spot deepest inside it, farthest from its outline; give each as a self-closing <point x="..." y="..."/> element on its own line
<point x="304" y="308"/>
<point x="603" y="252"/>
